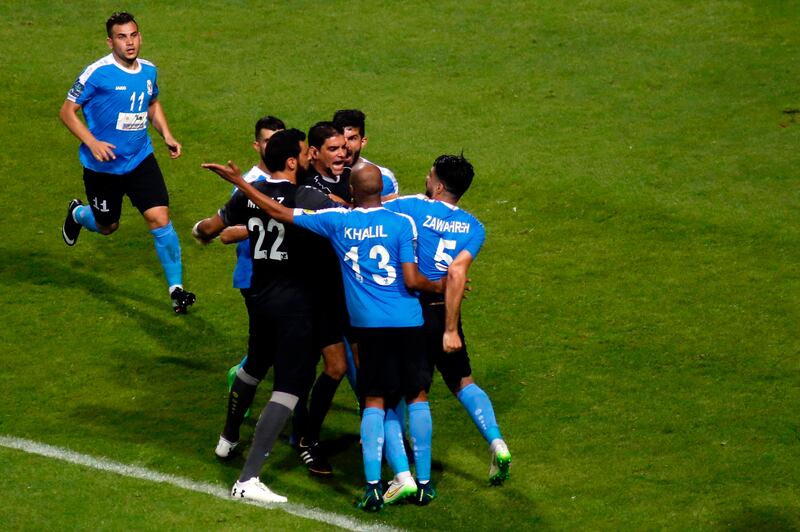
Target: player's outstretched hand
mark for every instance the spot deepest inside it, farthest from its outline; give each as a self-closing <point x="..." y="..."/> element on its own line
<point x="229" y="172"/>
<point x="175" y="148"/>
<point x="102" y="151"/>
<point x="451" y="342"/>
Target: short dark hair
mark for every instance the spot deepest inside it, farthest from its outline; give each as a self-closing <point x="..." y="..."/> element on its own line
<point x="455" y="172"/>
<point x="119" y="17"/>
<point x="321" y="131"/>
<point x="269" y="122"/>
<point x="350" y="118"/>
<point x="282" y="145"/>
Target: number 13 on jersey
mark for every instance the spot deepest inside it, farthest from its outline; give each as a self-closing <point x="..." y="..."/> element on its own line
<point x="376" y="252"/>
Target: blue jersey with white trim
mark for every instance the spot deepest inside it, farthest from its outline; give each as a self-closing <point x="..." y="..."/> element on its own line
<point x="390" y="185"/>
<point x="243" y="271"/>
<point x="371" y="245"/>
<point x="115" y="101"/>
<point x="444" y="232"/>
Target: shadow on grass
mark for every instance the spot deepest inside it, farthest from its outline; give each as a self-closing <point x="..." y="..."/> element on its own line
<point x="763" y="519"/>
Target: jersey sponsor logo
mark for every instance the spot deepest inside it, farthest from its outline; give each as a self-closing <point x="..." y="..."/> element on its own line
<point x="442" y="226"/>
<point x="149" y="88"/>
<point x="363" y="233"/>
<point x="76" y="90"/>
<point x="132" y="121"/>
<point x="120" y="88"/>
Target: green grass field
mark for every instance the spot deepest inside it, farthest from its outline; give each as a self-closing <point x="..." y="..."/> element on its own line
<point x="634" y="313"/>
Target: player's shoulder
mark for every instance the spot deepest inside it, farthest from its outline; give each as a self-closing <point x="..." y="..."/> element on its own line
<point x="255" y="174"/>
<point x="147" y="63"/>
<point x="96" y="67"/>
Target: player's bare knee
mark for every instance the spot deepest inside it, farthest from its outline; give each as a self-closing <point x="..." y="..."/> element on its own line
<point x="335" y="361"/>
<point x="107" y="229"/>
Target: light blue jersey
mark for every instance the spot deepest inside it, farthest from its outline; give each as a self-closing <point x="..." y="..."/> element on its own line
<point x="371" y="245"/>
<point x="390" y="185"/>
<point x="115" y="101"/>
<point x="444" y="232"/>
<point x="244" y="264"/>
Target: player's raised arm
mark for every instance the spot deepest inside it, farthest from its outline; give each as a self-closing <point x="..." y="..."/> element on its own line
<point x="233" y="175"/>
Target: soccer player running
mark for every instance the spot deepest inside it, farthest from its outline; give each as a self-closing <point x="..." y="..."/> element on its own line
<point x="280" y="304"/>
<point x="118" y="95"/>
<point x="449" y="240"/>
<point x="264" y="129"/>
<point x="375" y="248"/>
<point x="351" y="121"/>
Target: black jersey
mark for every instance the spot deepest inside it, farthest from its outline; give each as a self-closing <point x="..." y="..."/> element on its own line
<point x="339" y="185"/>
<point x="284" y="255"/>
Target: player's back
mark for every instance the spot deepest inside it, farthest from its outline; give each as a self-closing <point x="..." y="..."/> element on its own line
<point x="283" y="255"/>
<point x="371" y="245"/>
<point x="444" y="231"/>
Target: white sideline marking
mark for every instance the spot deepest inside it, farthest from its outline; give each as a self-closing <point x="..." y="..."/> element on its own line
<point x="214" y="490"/>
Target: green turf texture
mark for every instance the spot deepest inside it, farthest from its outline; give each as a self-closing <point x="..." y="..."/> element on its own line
<point x="634" y="313"/>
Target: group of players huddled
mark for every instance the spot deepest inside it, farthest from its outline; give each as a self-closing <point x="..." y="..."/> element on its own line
<point x="332" y="264"/>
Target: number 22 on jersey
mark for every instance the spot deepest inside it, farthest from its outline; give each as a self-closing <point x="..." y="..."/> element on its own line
<point x="274" y="252"/>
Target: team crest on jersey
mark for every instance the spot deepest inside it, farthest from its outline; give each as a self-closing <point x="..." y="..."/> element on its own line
<point x="76" y="90"/>
<point x="149" y="88"/>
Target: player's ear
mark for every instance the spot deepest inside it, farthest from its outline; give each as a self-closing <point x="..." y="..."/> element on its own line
<point x="313" y="152"/>
<point x="110" y="42"/>
<point x="256" y="146"/>
<point x="291" y="164"/>
<point x="363" y="142"/>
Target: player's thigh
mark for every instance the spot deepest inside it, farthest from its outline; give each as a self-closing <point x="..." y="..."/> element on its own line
<point x="104" y="193"/>
<point x="146" y="187"/>
<point x="260" y="342"/>
<point x="295" y="358"/>
<point x="379" y="375"/>
<point x="411" y="352"/>
<point x="452" y="366"/>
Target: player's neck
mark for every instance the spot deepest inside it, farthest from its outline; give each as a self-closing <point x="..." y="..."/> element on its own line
<point x="286" y="175"/>
<point x="263" y="167"/>
<point x="446" y="198"/>
<point x="323" y="171"/>
<point x="121" y="61"/>
<point x="369" y="202"/>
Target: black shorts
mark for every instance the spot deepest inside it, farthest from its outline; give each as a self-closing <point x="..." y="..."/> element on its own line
<point x="331" y="320"/>
<point x="284" y="342"/>
<point x="144" y="186"/>
<point x="453" y="366"/>
<point x="392" y="362"/>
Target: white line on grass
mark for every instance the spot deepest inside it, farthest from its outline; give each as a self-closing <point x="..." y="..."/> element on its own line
<point x="220" y="492"/>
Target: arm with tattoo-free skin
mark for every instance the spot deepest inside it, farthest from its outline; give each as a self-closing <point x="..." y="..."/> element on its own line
<point x="456" y="285"/>
<point x="233" y="175"/>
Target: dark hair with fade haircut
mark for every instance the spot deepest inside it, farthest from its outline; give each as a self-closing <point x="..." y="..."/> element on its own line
<point x="283" y="145"/>
<point x="321" y="131"/>
<point x="117" y="18"/>
<point x="455" y="172"/>
<point x="350" y="118"/>
<point x="269" y="122"/>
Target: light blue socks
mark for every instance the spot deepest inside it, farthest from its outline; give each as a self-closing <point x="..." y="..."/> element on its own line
<point x="168" y="249"/>
<point x="83" y="215"/>
<point x="420" y="428"/>
<point x="479" y="407"/>
<point x="395" y="450"/>
<point x="372" y="442"/>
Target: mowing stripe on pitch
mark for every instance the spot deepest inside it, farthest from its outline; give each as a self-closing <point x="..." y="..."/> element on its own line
<point x="214" y="490"/>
